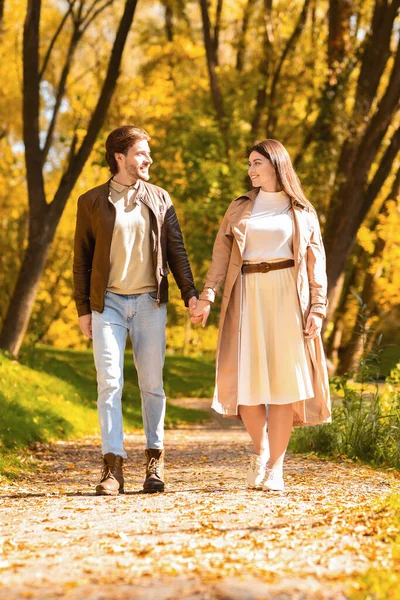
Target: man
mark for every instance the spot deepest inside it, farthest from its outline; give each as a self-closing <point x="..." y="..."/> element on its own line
<point x="127" y="234"/>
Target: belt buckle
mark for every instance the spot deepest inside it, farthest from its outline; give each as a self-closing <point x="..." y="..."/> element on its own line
<point x="266" y="267"/>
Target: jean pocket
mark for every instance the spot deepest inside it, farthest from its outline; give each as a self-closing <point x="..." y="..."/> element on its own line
<point x="152" y="295"/>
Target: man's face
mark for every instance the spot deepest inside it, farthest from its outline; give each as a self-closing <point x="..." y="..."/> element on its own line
<point x="135" y="165"/>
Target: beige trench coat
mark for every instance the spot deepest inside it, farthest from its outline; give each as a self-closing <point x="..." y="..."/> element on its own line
<point x="310" y="271"/>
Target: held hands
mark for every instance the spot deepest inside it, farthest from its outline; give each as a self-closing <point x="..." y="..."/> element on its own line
<point x="85" y="323"/>
<point x="200" y="312"/>
<point x="313" y="326"/>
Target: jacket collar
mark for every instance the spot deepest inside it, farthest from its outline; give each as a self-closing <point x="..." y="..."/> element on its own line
<point x="250" y="195"/>
<point x="104" y="190"/>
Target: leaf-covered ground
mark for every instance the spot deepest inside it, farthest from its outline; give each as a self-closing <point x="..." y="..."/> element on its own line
<point x="206" y="537"/>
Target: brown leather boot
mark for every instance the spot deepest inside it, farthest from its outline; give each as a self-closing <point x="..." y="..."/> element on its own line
<point x="112" y="477"/>
<point x="154" y="481"/>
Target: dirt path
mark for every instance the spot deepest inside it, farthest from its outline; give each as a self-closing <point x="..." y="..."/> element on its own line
<point x="206" y="537"/>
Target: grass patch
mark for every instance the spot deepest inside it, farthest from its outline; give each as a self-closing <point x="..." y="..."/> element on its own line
<point x="51" y="394"/>
<point x="379" y="584"/>
<point x="365" y="425"/>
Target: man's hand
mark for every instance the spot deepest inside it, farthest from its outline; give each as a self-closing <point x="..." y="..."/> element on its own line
<point x="192" y="304"/>
<point x="85" y="323"/>
<point x="313" y="326"/>
<point x="201" y="312"/>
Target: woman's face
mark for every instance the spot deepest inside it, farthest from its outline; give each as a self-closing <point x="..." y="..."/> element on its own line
<point x="262" y="172"/>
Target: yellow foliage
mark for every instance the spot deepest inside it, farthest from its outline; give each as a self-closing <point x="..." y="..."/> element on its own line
<point x="366" y="239"/>
<point x="159" y="81"/>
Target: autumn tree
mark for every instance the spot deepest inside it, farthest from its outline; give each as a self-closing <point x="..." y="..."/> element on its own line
<point x="207" y="78"/>
<point x="44" y="215"/>
<point x="378" y="287"/>
<point x="355" y="144"/>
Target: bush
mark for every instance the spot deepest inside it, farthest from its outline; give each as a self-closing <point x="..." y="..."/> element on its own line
<point x="365" y="419"/>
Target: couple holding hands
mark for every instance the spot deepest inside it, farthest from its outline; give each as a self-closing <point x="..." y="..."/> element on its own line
<point x="268" y="256"/>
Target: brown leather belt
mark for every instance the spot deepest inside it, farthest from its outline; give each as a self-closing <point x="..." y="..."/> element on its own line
<point x="265" y="267"/>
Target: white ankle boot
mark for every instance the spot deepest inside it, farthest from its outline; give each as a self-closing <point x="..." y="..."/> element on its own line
<point x="256" y="471"/>
<point x="274" y="481"/>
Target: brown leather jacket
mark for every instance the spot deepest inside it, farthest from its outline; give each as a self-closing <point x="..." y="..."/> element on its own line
<point x="94" y="228"/>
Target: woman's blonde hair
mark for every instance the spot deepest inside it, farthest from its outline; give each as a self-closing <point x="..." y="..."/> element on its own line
<point x="285" y="173"/>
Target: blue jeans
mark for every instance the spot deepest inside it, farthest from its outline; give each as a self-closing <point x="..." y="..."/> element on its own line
<point x="145" y="320"/>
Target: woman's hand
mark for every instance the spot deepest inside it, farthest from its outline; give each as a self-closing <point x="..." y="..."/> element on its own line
<point x="313" y="326"/>
<point x="201" y="312"/>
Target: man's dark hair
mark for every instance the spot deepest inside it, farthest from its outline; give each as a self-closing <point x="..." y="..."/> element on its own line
<point x="120" y="140"/>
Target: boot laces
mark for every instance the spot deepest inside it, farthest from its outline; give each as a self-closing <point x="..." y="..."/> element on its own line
<point x="106" y="473"/>
<point x="153" y="467"/>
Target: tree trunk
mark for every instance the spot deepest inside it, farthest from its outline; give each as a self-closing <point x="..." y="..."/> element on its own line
<point x="43" y="217"/>
<point x="289" y="47"/>
<point x="329" y="124"/>
<point x="217" y="29"/>
<point x="355" y="349"/>
<point x="241" y="45"/>
<point x="20" y="308"/>
<point x="366" y="127"/>
<point x="334" y="341"/>
<point x="169" y="25"/>
<point x="212" y="63"/>
<point x="264" y="70"/>
<point x="1" y="18"/>
<point x="351" y="355"/>
<point x="346" y="216"/>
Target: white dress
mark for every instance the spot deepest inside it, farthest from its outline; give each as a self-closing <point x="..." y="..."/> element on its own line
<point x="274" y="366"/>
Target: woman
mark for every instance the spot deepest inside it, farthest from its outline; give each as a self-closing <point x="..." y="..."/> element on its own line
<point x="269" y="254"/>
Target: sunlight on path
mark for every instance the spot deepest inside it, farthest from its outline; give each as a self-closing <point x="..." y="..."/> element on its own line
<point x="206" y="537"/>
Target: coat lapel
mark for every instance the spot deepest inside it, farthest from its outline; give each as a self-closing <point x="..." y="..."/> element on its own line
<point x="239" y="216"/>
<point x="108" y="210"/>
<point x="301" y="231"/>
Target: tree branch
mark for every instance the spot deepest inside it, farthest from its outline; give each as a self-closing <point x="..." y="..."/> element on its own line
<point x="182" y="13"/>
<point x="374" y="60"/>
<point x="78" y="16"/>
<point x="90" y="20"/>
<point x="217" y="28"/>
<point x="89" y="10"/>
<point x="241" y="46"/>
<point x="31" y="108"/>
<point x="78" y="160"/>
<point x="54" y="39"/>
<point x="264" y="70"/>
<point x="79" y="29"/>
<point x="60" y="92"/>
<point x="382" y="173"/>
<point x="379" y="123"/>
<point x="375" y="57"/>
<point x="345" y="217"/>
<point x="290" y="44"/>
<point x="369" y="286"/>
<point x="1" y="17"/>
<point x="340" y="67"/>
<point x="211" y="64"/>
<point x="169" y="25"/>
